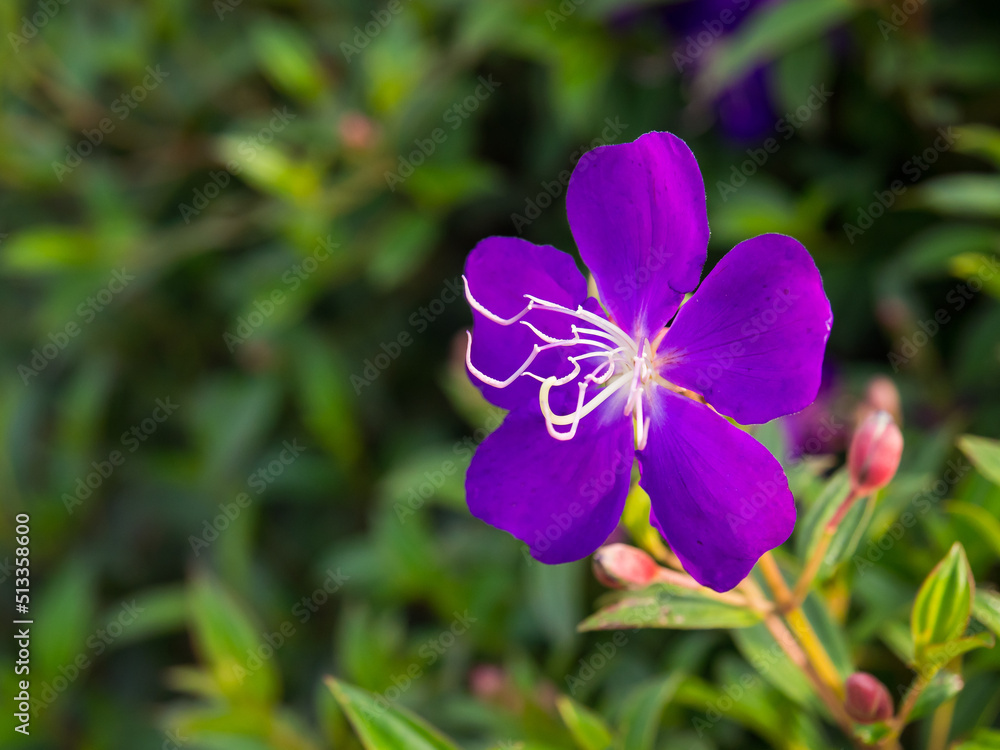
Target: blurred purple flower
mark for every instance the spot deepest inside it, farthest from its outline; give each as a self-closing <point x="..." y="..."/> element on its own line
<point x="619" y="385"/>
<point x="820" y="428"/>
<point x="746" y="109"/>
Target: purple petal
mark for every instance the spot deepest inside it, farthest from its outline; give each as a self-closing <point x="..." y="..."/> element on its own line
<point x="718" y="496"/>
<point x="751" y="339"/>
<point x="562" y="498"/>
<point x="638" y="214"/>
<point x="500" y="271"/>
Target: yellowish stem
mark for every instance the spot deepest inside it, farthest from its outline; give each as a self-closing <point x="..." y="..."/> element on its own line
<point x="800" y="625"/>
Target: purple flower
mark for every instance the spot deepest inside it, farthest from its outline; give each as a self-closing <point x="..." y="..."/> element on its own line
<point x="590" y="390"/>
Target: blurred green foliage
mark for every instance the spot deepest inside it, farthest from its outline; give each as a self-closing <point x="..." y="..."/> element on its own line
<point x="255" y="213"/>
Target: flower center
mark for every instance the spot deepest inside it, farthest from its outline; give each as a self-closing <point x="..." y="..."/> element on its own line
<point x="627" y="366"/>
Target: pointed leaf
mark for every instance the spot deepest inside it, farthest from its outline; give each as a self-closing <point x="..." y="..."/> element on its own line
<point x="810" y="529"/>
<point x="984" y="454"/>
<point x="385" y="727"/>
<point x="986" y="609"/>
<point x="944" y="603"/>
<point x="643" y="711"/>
<point x="661" y="606"/>
<point x="945" y="686"/>
<point x="588" y="729"/>
<point x="981" y="520"/>
<point x="939" y="655"/>
<point x="229" y="642"/>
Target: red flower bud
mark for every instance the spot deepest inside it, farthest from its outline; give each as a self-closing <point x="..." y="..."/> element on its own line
<point x="868" y="700"/>
<point x="875" y="452"/>
<point x="620" y="566"/>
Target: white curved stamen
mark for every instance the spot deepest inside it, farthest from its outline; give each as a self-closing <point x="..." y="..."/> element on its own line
<point x="553" y="340"/>
<point x="573" y="418"/>
<point x="626" y="365"/>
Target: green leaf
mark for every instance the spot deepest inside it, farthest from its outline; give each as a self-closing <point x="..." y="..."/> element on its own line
<point x="986" y="609"/>
<point x="643" y="711"/>
<point x="767" y="35"/>
<point x="981" y="140"/>
<point x="588" y="729"/>
<point x="759" y="647"/>
<point x="380" y="726"/>
<point x="939" y="655"/>
<point x="287" y="60"/>
<point x="944" y="603"/>
<point x="983" y="739"/>
<point x="228" y="641"/>
<point x="662" y="606"/>
<point x="848" y="534"/>
<point x="943" y="687"/>
<point x="984" y="454"/>
<point x="984" y="522"/>
<point x="50" y="249"/>
<point x="872" y="734"/>
<point x="404" y="241"/>
<point x="973" y="195"/>
<point x="929" y="253"/>
<point x="159" y="611"/>
<point x="64" y="620"/>
<point x="810" y="529"/>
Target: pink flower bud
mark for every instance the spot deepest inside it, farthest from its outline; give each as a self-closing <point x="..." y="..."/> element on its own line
<point x="620" y="566"/>
<point x="875" y="451"/>
<point x="868" y="700"/>
<point x="882" y="395"/>
<point x="357" y="131"/>
<point x="487" y="681"/>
